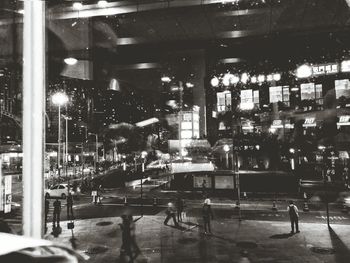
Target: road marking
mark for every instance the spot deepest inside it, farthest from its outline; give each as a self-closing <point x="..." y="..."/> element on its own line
<point x="332" y="217"/>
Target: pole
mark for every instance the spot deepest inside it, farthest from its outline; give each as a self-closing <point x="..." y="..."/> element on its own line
<point x="59" y="143"/>
<point x="327" y="204"/>
<point x="238" y="187"/>
<point x="227" y="166"/>
<point x="96" y="157"/>
<point x="180" y="118"/>
<point x="66" y="159"/>
<point x="142" y="174"/>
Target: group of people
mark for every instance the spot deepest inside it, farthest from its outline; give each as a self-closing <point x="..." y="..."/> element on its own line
<point x="177" y="214"/>
<point x="208" y="215"/>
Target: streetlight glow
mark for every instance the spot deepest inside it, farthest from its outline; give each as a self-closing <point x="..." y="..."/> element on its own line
<point x="59" y="98"/>
<point x="214" y="82"/>
<point x="165" y="79"/>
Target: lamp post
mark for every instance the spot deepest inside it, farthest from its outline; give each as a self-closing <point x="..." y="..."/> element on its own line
<point x="59" y="99"/>
<point x="67" y="118"/>
<point x="82" y="150"/>
<point x="226" y="150"/>
<point x="96" y="153"/>
<point x="143" y="156"/>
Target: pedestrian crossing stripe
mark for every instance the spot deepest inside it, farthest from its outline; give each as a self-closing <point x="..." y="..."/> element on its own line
<point x="333" y="217"/>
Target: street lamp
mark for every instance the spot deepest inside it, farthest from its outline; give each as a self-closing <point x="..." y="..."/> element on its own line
<point x="96" y="153"/>
<point x="67" y="118"/>
<point x="59" y="99"/>
<point x="226" y="150"/>
<point x="143" y="156"/>
<point x="82" y="150"/>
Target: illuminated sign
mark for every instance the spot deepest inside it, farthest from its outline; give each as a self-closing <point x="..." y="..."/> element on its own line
<point x="344" y="120"/>
<point x="342" y="88"/>
<point x="277" y="124"/>
<point x="276" y="94"/>
<point x="310" y="122"/>
<point x="345" y="66"/>
<point x="325" y="69"/>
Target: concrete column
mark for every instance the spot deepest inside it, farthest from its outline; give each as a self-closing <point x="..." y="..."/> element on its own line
<point x="33" y="116"/>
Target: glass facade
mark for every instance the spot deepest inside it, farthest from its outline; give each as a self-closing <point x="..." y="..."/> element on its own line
<point x="144" y="101"/>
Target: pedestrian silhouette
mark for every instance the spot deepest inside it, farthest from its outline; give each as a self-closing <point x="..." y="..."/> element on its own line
<point x="47" y="207"/>
<point x="70" y="214"/>
<point x="170" y="212"/>
<point x="179" y="208"/>
<point x="204" y="188"/>
<point x="126" y="254"/>
<point x="293" y="216"/>
<point x="133" y="244"/>
<point x="207" y="214"/>
<point x="56" y="212"/>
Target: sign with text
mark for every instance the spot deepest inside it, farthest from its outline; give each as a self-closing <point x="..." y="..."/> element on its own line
<point x="342" y="88"/>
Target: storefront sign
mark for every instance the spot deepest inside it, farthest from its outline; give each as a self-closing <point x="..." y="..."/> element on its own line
<point x="276" y="94"/>
<point x="345" y="66"/>
<point x="310" y="122"/>
<point x="342" y="88"/>
<point x="307" y="91"/>
<point x="276" y="124"/>
<point x="344" y="120"/>
<point x="325" y="69"/>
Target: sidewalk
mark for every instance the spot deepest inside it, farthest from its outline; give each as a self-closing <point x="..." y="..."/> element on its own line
<point x="232" y="241"/>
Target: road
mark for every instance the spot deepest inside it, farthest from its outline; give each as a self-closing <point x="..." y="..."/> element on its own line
<point x="113" y="206"/>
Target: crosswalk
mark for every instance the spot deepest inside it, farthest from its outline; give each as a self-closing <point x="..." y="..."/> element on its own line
<point x="333" y="218"/>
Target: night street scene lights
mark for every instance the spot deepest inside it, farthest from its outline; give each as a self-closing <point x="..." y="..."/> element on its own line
<point x="59" y="99"/>
<point x="203" y="105"/>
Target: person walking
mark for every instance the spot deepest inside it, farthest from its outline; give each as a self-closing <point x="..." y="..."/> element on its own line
<point x="170" y="212"/>
<point x="207" y="214"/>
<point x="126" y="238"/>
<point x="47" y="207"/>
<point x="56" y="212"/>
<point x="70" y="206"/>
<point x="133" y="242"/>
<point x="179" y="208"/>
<point x="294" y="216"/>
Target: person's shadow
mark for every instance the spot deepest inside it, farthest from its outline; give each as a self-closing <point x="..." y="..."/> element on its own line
<point x="281" y="236"/>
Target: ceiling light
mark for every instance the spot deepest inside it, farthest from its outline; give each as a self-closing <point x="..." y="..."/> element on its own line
<point x="70" y="61"/>
<point x="269" y="77"/>
<point x="253" y="79"/>
<point x="77" y="5"/>
<point x="102" y="3"/>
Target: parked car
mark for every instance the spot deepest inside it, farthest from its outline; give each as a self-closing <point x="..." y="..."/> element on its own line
<point x="59" y="190"/>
